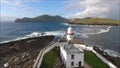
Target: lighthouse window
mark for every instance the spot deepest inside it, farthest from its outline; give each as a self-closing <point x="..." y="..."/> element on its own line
<point x="72" y="63"/>
<point x="70" y="36"/>
<point x="72" y="56"/>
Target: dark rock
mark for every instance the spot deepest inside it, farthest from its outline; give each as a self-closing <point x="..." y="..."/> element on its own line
<point x="18" y="53"/>
<point x="114" y="60"/>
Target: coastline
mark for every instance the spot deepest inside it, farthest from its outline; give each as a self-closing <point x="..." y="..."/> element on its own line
<point x="37" y="34"/>
<point x="22" y="53"/>
<point x="114" y="60"/>
<point x="12" y="51"/>
<point x="95" y="24"/>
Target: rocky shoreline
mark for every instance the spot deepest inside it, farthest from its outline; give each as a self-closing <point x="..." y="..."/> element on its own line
<point x="114" y="60"/>
<point x="22" y="53"/>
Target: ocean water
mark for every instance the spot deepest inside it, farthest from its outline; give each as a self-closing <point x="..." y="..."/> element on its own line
<point x="105" y="37"/>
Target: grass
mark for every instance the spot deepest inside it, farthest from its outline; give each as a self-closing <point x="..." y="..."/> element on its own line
<point x="94" y="61"/>
<point x="96" y="21"/>
<point x="50" y="58"/>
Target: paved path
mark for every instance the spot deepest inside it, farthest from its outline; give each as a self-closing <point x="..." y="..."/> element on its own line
<point x="88" y="48"/>
<point x="38" y="61"/>
<point x="54" y="44"/>
<point x="40" y="56"/>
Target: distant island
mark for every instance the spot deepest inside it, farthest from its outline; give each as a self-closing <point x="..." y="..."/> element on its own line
<point x="57" y="18"/>
<point x="43" y="18"/>
<point x="94" y="21"/>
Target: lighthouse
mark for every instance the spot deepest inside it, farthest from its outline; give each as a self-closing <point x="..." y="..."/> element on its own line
<point x="70" y="34"/>
<point x="71" y="56"/>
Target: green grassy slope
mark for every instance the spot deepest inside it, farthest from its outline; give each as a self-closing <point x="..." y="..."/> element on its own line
<point x="96" y="21"/>
<point x="50" y="58"/>
<point x="94" y="61"/>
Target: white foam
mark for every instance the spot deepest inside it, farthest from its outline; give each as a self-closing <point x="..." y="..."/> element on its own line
<point x="56" y="33"/>
<point x="112" y="53"/>
<point x="37" y="34"/>
<point x="65" y="24"/>
<point x="86" y="31"/>
<point x="34" y="34"/>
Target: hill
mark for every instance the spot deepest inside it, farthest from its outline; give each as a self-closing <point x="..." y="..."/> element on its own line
<point x="43" y="18"/>
<point x="95" y="21"/>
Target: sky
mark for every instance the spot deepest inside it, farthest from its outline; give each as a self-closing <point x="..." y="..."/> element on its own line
<point x="12" y="9"/>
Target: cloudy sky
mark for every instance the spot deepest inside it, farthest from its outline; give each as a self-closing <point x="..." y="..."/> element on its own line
<point x="12" y="9"/>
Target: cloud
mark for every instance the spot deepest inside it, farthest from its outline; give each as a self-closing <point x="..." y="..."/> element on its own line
<point x="95" y="8"/>
<point x="12" y="2"/>
<point x="16" y="5"/>
<point x="20" y="4"/>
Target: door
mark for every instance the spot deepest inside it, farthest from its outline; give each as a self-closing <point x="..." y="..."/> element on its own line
<point x="80" y="64"/>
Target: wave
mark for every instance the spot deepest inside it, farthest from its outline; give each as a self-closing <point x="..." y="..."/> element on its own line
<point x="56" y="33"/>
<point x="89" y="30"/>
<point x="66" y="24"/>
<point x="37" y="34"/>
<point x="86" y="30"/>
<point x="112" y="53"/>
<point x="92" y="31"/>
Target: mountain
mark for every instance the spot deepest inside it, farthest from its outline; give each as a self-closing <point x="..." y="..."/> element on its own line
<point x="43" y="18"/>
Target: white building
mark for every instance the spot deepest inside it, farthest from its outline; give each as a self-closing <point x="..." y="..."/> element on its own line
<point x="71" y="55"/>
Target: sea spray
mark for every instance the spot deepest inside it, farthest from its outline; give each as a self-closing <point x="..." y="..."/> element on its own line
<point x="37" y="34"/>
<point x="112" y="53"/>
<point x="85" y="32"/>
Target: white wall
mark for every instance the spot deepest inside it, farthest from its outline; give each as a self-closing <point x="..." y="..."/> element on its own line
<point x="70" y="37"/>
<point x="66" y="58"/>
<point x="77" y="58"/>
<point x="63" y="53"/>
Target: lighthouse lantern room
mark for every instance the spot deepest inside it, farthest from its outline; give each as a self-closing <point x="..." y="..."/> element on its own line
<point x="70" y="34"/>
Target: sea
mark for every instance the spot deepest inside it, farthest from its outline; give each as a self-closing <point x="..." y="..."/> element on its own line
<point x="103" y="36"/>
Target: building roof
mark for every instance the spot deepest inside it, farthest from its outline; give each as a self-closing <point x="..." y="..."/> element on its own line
<point x="72" y="49"/>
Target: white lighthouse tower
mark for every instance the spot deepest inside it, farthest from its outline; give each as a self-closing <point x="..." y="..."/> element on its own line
<point x="70" y="34"/>
<point x="71" y="56"/>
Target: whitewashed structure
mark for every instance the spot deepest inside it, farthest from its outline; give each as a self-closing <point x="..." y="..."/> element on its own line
<point x="71" y="55"/>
